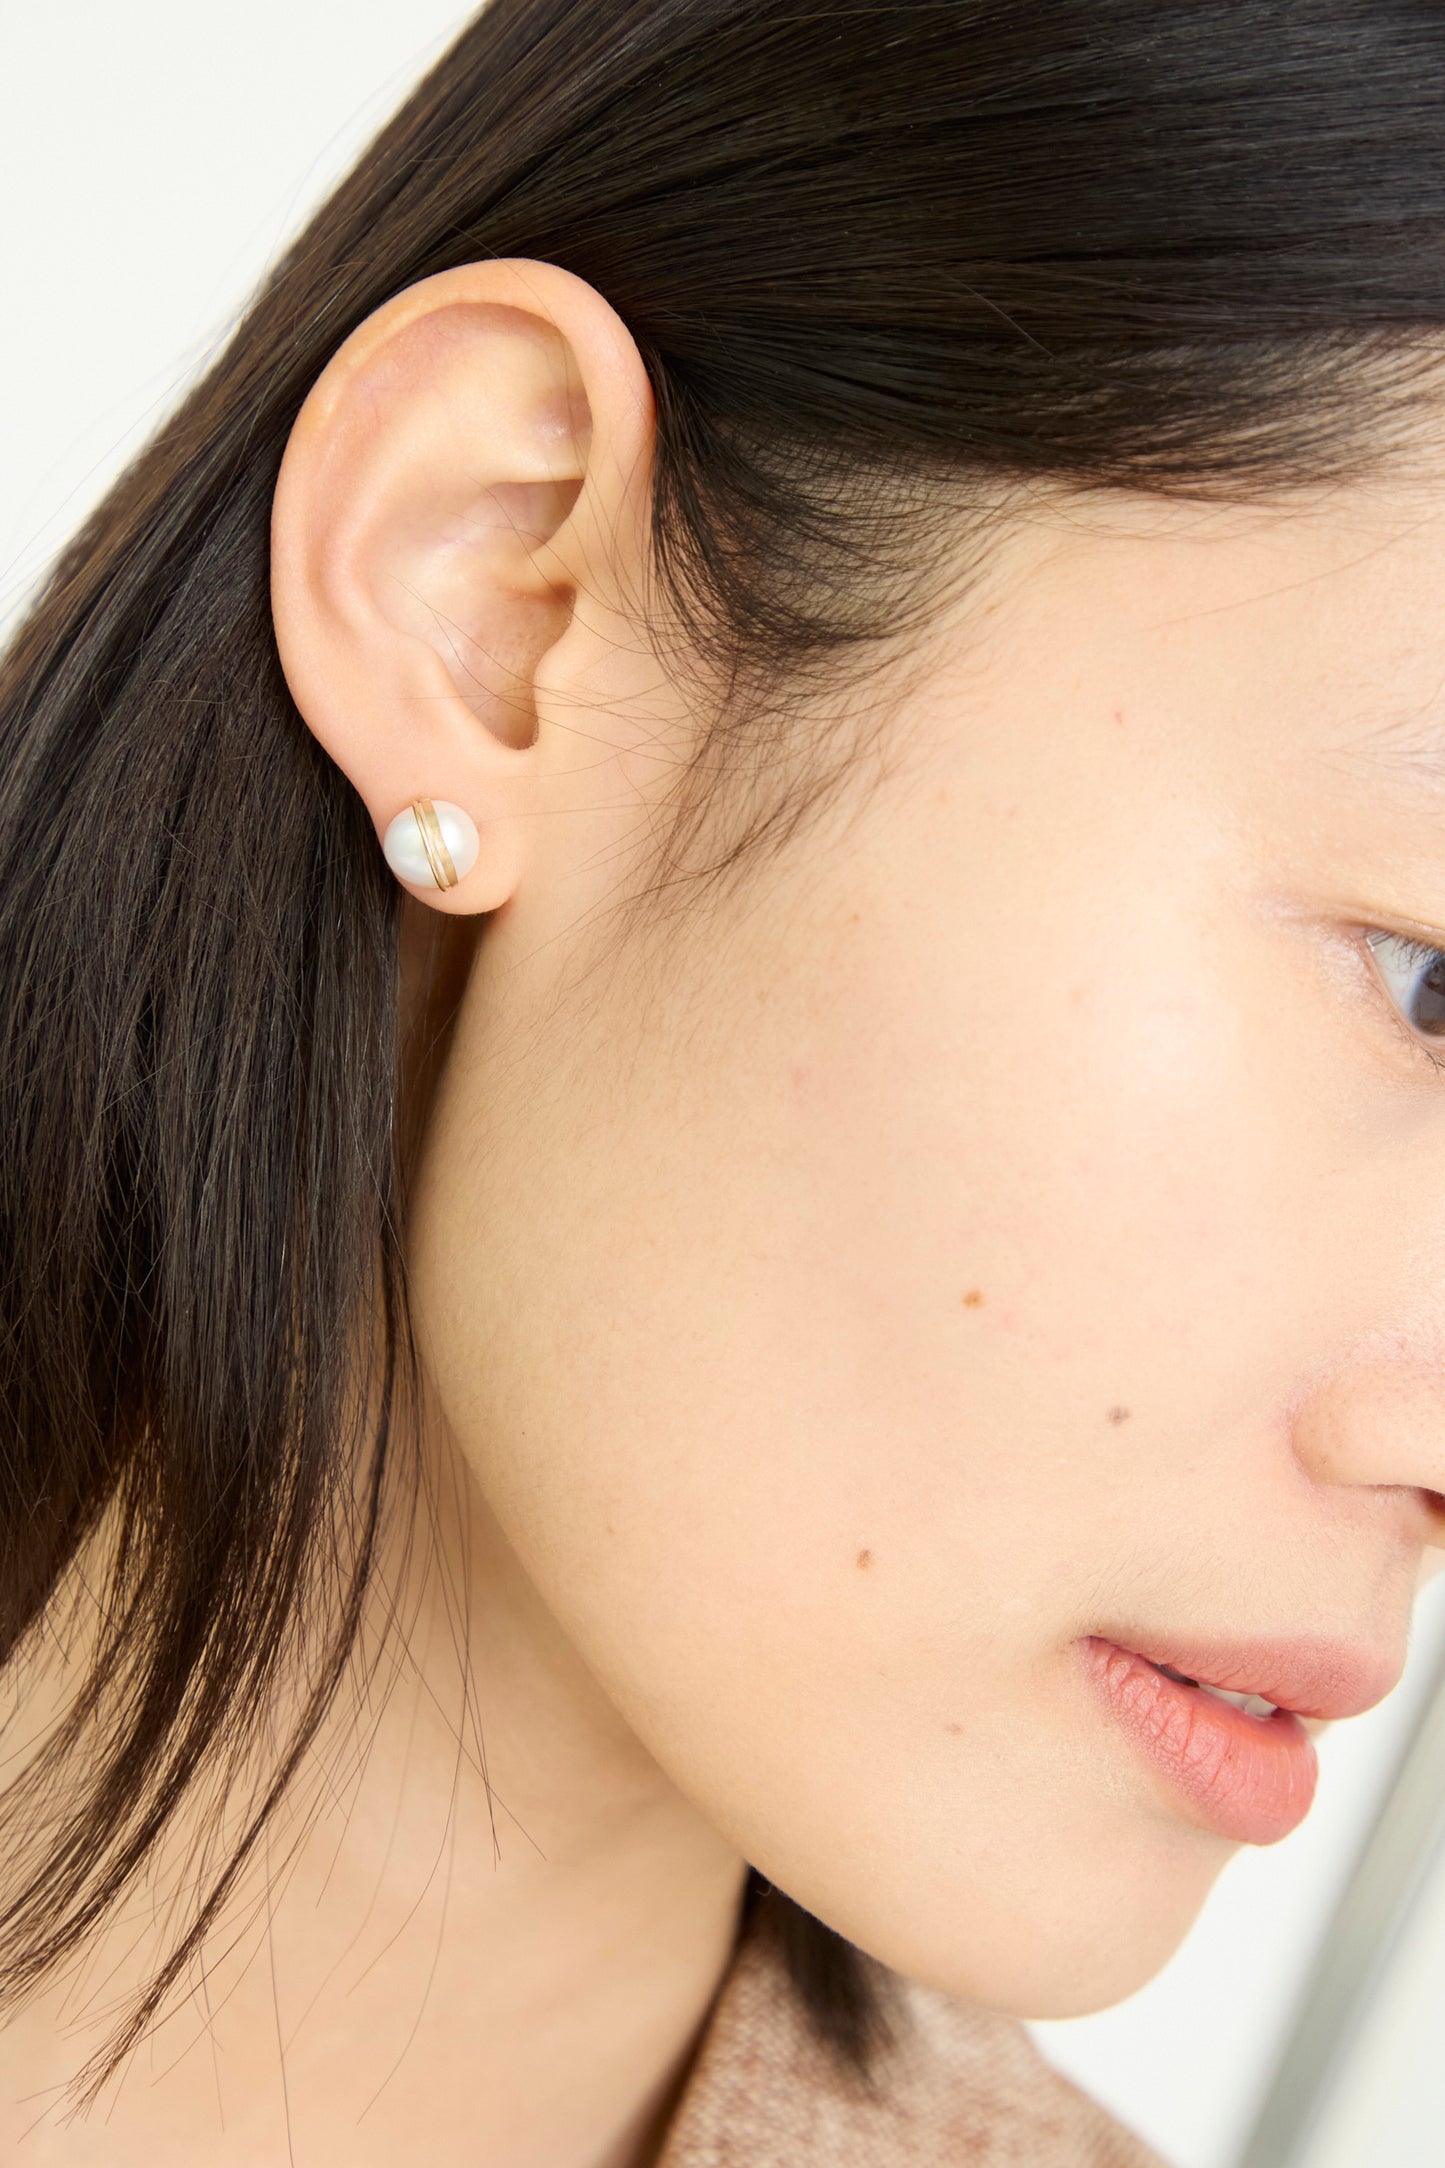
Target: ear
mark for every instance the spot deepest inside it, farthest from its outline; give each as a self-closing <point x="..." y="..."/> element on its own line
<point x="465" y="494"/>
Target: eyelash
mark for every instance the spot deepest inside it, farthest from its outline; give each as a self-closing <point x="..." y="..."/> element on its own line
<point x="1418" y="952"/>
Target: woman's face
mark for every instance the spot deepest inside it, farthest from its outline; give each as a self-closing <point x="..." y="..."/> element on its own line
<point x="1001" y="1220"/>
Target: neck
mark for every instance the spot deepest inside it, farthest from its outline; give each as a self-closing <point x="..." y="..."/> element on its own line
<point x="487" y="1925"/>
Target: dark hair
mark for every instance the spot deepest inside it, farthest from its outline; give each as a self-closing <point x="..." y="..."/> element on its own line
<point x="875" y="258"/>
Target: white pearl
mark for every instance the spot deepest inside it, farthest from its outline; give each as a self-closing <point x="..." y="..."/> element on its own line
<point x="406" y="853"/>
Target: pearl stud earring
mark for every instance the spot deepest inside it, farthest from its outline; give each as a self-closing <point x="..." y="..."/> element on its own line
<point x="431" y="844"/>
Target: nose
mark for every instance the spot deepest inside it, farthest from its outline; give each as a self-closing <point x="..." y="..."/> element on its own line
<point x="1378" y="1423"/>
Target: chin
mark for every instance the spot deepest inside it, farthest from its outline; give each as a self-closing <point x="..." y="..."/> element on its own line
<point x="1054" y="1942"/>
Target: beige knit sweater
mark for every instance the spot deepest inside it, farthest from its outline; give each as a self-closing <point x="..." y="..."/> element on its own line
<point x="961" y="2088"/>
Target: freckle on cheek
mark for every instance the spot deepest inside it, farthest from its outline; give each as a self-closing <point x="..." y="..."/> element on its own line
<point x="956" y="1729"/>
<point x="1118" y="1415"/>
<point x="972" y="1299"/>
<point x="863" y="1561"/>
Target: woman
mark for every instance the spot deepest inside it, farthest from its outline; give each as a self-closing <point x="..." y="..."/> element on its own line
<point x="724" y="944"/>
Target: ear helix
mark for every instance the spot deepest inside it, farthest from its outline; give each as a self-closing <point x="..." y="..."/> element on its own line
<point x="431" y="844"/>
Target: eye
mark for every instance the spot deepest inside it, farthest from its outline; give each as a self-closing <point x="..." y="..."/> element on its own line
<point x="1414" y="976"/>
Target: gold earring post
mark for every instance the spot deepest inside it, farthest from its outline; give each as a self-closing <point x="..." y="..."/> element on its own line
<point x="434" y="843"/>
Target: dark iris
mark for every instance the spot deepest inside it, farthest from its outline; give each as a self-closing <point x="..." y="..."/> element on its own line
<point x="1414" y="972"/>
<point x="1429" y="1014"/>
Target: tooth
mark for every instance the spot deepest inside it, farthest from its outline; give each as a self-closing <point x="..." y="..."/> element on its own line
<point x="1252" y="1704"/>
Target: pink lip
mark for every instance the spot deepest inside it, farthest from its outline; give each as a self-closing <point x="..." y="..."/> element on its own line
<point x="1250" y="1778"/>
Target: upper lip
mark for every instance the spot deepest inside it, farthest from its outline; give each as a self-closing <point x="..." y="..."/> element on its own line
<point x="1310" y="1674"/>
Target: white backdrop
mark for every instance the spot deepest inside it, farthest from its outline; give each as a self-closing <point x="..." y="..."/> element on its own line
<point x="153" y="156"/>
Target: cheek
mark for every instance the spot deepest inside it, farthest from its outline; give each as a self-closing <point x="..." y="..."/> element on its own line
<point x="823" y="1375"/>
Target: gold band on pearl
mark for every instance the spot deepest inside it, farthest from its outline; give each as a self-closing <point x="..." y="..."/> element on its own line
<point x="434" y="843"/>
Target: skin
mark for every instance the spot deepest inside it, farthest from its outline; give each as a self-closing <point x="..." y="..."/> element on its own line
<point x="1001" y="1213"/>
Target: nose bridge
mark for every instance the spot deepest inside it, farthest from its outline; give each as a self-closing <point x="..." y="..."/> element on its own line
<point x="1377" y="1419"/>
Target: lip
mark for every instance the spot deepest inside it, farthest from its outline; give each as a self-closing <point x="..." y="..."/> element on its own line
<point x="1248" y="1778"/>
<point x="1307" y="1674"/>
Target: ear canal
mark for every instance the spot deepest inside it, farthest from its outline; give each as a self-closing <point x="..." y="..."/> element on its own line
<point x="431" y="844"/>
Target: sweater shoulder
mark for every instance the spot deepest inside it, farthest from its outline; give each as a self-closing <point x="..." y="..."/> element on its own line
<point x="955" y="2087"/>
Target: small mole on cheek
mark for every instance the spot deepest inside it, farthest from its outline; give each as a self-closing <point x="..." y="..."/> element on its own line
<point x="863" y="1561"/>
<point x="1118" y="715"/>
<point x="956" y="1729"/>
<point x="973" y="1298"/>
<point x="1118" y="1415"/>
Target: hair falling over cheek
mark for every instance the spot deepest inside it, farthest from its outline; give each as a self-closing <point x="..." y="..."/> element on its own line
<point x="991" y="251"/>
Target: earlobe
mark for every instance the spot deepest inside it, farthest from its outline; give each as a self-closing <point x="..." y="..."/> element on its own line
<point x="436" y="520"/>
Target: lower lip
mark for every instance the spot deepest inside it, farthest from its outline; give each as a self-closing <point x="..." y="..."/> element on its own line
<point x="1249" y="1778"/>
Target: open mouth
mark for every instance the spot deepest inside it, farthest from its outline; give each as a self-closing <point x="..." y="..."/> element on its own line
<point x="1249" y="1704"/>
<point x="1232" y="1761"/>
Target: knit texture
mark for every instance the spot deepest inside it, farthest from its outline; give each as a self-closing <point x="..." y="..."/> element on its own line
<point x="960" y="2088"/>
